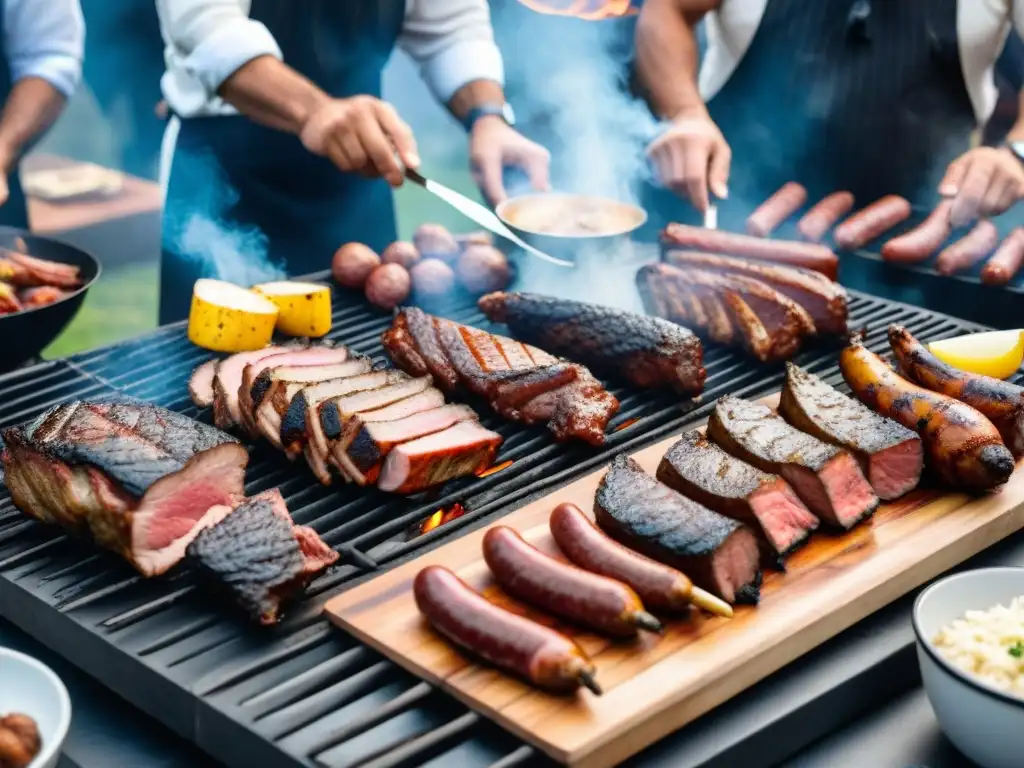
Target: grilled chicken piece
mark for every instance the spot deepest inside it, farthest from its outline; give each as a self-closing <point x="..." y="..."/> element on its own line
<point x="647" y="351"/>
<point x="228" y="380"/>
<point x="825" y="477"/>
<point x="200" y="384"/>
<point x="463" y="449"/>
<point x="257" y="555"/>
<point x="143" y="481"/>
<point x="890" y="455"/>
<point x="824" y="299"/>
<point x="717" y="553"/>
<point x="702" y="471"/>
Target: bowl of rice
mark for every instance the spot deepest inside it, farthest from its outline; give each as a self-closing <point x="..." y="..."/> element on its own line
<point x="970" y="646"/>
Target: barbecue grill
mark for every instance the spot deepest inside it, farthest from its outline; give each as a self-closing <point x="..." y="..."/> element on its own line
<point x="304" y="693"/>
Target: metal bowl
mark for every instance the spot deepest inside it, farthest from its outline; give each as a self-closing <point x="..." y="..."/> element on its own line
<point x="25" y="334"/>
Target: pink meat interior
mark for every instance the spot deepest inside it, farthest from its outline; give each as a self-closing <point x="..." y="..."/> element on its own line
<point x="736" y="563"/>
<point x="897" y="470"/>
<point x="783" y="516"/>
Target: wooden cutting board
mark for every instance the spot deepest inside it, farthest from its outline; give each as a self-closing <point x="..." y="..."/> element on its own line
<point x="657" y="684"/>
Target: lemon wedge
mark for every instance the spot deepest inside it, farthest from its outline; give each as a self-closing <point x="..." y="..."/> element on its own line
<point x="997" y="353"/>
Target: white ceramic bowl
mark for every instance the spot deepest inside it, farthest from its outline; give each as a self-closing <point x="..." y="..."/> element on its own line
<point x="30" y="688"/>
<point x="984" y="723"/>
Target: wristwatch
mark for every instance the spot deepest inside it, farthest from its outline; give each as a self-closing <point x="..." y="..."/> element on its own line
<point x="1017" y="147"/>
<point x="504" y="111"/>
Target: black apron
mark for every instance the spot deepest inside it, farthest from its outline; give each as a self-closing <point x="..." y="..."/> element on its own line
<point x="261" y="185"/>
<point x="13" y="213"/>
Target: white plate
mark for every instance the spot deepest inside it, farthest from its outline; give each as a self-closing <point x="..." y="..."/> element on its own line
<point x="30" y="688"/>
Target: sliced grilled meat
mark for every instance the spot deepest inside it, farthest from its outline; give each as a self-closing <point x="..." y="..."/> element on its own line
<point x="141" y="480"/>
<point x="228" y="380"/>
<point x="647" y="351"/>
<point x="412" y="342"/>
<point x="890" y="455"/>
<point x="824" y="299"/>
<point x="257" y="555"/>
<point x="717" y="553"/>
<point x="200" y="384"/>
<point x="463" y="449"/>
<point x="825" y="477"/>
<point x="699" y="469"/>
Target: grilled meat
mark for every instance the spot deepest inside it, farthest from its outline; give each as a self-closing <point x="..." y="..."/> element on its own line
<point x="463" y="449"/>
<point x="259" y="556"/>
<point x="9" y="301"/>
<point x="702" y="471"/>
<point x="718" y="554"/>
<point x="826" y="478"/>
<point x="200" y="384"/>
<point x="647" y="351"/>
<point x="521" y="382"/>
<point x="228" y="380"/>
<point x="732" y="308"/>
<point x="824" y="299"/>
<point x="142" y="481"/>
<point x="28" y="271"/>
<point x="890" y="455"/>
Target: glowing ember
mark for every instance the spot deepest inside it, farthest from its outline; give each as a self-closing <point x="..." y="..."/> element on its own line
<point x="590" y="10"/>
<point x="626" y="423"/>
<point x="442" y="516"/>
<point x="495" y="468"/>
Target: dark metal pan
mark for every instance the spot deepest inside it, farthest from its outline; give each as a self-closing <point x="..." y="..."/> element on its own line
<point x="23" y="335"/>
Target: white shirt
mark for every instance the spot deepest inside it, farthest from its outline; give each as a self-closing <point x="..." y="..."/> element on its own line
<point x="206" y="41"/>
<point x="982" y="27"/>
<point x="45" y="39"/>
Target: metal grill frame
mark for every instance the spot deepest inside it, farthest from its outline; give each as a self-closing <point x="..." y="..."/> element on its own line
<point x="303" y="693"/>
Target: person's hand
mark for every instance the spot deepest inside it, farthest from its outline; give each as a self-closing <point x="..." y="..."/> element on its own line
<point x="362" y="135"/>
<point x="495" y="145"/>
<point x="692" y="156"/>
<point x="5" y="191"/>
<point x="984" y="181"/>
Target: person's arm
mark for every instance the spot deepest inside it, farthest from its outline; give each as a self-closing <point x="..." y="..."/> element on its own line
<point x="44" y="43"/>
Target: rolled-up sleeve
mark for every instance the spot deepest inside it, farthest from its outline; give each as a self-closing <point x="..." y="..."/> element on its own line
<point x="45" y="39"/>
<point x="453" y="44"/>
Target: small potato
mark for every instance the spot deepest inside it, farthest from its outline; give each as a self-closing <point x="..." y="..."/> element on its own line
<point x="482" y="269"/>
<point x="388" y="286"/>
<point x="401" y="253"/>
<point x="353" y="263"/>
<point x="435" y="242"/>
<point x="474" y="238"/>
<point x="433" y="278"/>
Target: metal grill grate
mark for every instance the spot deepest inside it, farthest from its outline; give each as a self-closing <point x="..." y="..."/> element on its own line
<point x="303" y="693"/>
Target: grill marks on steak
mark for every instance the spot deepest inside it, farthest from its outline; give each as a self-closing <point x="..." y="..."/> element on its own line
<point x="647" y="351"/>
<point x="719" y="554"/>
<point x="825" y="477"/>
<point x="521" y="382"/>
<point x="702" y="471"/>
<point x="142" y="481"/>
<point x="890" y="455"/>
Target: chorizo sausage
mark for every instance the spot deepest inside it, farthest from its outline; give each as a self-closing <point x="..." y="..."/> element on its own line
<point x="816" y="223"/>
<point x="923" y="240"/>
<point x="660" y="587"/>
<point x="539" y="654"/>
<point x="969" y="249"/>
<point x="776" y="209"/>
<point x="871" y="222"/>
<point x="603" y="604"/>
<point x="963" y="447"/>
<point x="1006" y="261"/>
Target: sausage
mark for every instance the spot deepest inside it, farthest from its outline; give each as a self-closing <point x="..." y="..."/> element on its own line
<point x="789" y="252"/>
<point x="871" y="222"/>
<point x="538" y="654"/>
<point x="969" y="249"/>
<point x="1006" y="261"/>
<point x="659" y="587"/>
<point x="999" y="401"/>
<point x="776" y="209"/>
<point x="963" y="447"/>
<point x="603" y="604"/>
<point x="816" y="223"/>
<point x="923" y="240"/>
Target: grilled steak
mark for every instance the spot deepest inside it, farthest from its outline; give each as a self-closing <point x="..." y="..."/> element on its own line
<point x="200" y="384"/>
<point x="228" y="380"/>
<point x="463" y="449"/>
<point x="521" y="382"/>
<point x="825" y="477"/>
<point x="257" y="555"/>
<point x="141" y="480"/>
<point x="731" y="308"/>
<point x="824" y="299"/>
<point x="702" y="471"/>
<point x="890" y="455"/>
<point x="717" y="553"/>
<point x="647" y="351"/>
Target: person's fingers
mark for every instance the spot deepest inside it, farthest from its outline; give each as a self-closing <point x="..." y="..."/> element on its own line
<point x="537" y="165"/>
<point x="661" y="159"/>
<point x="950" y="184"/>
<point x="487" y="172"/>
<point x="972" y="189"/>
<point x="695" y="174"/>
<point x="999" y="195"/>
<point x="718" y="170"/>
<point x="400" y="133"/>
<point x="379" y="150"/>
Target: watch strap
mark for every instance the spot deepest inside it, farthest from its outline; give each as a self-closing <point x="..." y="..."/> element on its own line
<point x="486" y="110"/>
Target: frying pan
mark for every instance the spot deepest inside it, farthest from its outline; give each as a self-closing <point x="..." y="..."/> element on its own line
<point x="23" y="335"/>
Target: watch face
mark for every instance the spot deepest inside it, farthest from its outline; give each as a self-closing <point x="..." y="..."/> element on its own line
<point x="510" y="117"/>
<point x="1017" y="147"/>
